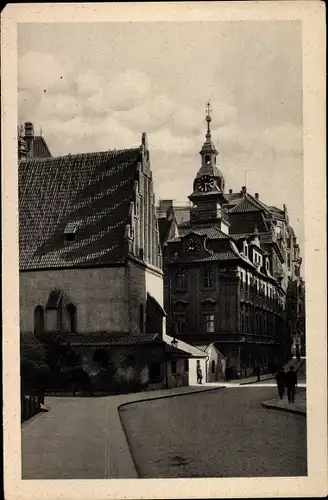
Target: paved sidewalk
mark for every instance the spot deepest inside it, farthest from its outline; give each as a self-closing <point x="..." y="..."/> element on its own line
<point x="83" y="438"/>
<point x="254" y="380"/>
<point x="299" y="406"/>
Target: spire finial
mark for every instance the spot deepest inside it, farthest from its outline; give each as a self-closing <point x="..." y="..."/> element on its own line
<point x="208" y="109"/>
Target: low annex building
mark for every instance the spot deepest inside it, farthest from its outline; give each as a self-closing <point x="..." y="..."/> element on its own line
<point x="90" y="258"/>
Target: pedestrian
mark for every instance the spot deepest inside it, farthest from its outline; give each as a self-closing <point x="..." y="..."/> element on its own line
<point x="199" y="375"/>
<point x="281" y="382"/>
<point x="291" y="383"/>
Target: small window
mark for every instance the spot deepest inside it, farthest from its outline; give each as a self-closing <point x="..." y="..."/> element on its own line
<point x="181" y="280"/>
<point x="209" y="323"/>
<point x="207" y="159"/>
<point x="208" y="277"/>
<point x="38" y="320"/>
<point x="213" y="367"/>
<point x="173" y="367"/>
<point x="180" y="323"/>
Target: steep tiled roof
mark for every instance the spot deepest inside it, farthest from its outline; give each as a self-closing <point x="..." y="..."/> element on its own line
<point x="244" y="205"/>
<point x="93" y="190"/>
<point x="211" y="232"/>
<point x="277" y="212"/>
<point x="235" y="198"/>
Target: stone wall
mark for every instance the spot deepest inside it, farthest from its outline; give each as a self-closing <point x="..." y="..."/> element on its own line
<point x="100" y="295"/>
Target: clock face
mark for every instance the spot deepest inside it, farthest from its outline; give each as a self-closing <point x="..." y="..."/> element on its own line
<point x="205" y="183"/>
<point x="192" y="247"/>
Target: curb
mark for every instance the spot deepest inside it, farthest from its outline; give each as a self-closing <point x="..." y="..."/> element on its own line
<point x="288" y="410"/>
<point x="169" y="396"/>
<point x="257" y="381"/>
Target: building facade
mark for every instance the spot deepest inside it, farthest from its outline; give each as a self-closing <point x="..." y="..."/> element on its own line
<point x="227" y="274"/>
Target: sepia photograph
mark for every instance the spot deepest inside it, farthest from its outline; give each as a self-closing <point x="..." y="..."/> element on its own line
<point x="162" y="307"/>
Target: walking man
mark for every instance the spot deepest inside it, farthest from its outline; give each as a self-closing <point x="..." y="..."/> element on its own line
<point x="281" y="382"/>
<point x="291" y="383"/>
<point x="199" y="375"/>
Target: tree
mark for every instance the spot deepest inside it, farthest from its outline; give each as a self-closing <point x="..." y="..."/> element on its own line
<point x="34" y="369"/>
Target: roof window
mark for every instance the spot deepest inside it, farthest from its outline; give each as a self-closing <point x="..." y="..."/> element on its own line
<point x="71" y="230"/>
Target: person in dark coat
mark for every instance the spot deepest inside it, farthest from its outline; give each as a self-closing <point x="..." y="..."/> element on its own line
<point x="199" y="375"/>
<point x="291" y="383"/>
<point x="281" y="382"/>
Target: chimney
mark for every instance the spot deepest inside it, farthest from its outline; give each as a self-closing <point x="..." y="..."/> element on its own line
<point x="29" y="136"/>
<point x="257" y="196"/>
<point x="230" y="191"/>
<point x="243" y="190"/>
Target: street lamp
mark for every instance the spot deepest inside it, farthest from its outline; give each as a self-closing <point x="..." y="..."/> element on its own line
<point x="174" y="343"/>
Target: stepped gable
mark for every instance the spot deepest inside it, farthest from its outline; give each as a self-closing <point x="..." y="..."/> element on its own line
<point x="87" y="195"/>
<point x="40" y="148"/>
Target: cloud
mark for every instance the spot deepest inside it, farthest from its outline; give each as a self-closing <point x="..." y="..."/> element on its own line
<point x="39" y="71"/>
<point x="121" y="93"/>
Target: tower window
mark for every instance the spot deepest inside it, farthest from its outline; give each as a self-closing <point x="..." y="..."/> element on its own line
<point x="207" y="159"/>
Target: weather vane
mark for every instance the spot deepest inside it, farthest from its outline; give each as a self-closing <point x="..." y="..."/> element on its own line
<point x="208" y="108"/>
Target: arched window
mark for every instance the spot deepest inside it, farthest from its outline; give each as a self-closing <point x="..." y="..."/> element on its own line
<point x="207" y="159"/>
<point x="72" y="317"/>
<point x="141" y="318"/>
<point x="38" y="320"/>
<point x="213" y="366"/>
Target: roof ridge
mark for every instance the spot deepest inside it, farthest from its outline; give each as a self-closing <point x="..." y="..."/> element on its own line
<point x="78" y="155"/>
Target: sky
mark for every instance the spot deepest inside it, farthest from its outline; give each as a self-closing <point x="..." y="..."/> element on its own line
<point x="97" y="86"/>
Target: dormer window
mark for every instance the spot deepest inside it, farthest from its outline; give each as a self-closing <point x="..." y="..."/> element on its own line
<point x="70" y="231"/>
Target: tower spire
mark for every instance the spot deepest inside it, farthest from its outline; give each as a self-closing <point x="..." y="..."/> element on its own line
<point x="208" y="119"/>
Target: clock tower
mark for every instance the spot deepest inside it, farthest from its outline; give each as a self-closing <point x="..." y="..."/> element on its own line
<point x="208" y="194"/>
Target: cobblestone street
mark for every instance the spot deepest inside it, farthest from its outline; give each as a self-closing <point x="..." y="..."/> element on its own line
<point x="223" y="433"/>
